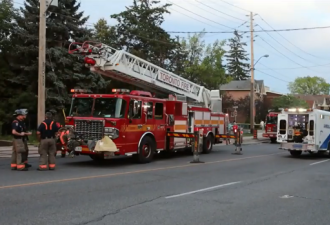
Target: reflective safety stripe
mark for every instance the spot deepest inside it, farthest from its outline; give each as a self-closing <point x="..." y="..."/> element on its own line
<point x="43" y="166"/>
<point x="50" y="126"/>
<point x="20" y="166"/>
<point x="51" y="165"/>
<point x="13" y="165"/>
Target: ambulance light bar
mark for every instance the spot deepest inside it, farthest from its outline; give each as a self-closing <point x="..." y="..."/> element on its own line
<point x="79" y="91"/>
<point x="298" y="110"/>
<point x="120" y="90"/>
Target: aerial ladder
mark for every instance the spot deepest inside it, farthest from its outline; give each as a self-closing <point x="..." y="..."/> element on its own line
<point x="123" y="66"/>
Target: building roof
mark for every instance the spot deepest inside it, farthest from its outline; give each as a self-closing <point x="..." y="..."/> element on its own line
<point x="240" y="85"/>
<point x="319" y="99"/>
<point x="243" y="85"/>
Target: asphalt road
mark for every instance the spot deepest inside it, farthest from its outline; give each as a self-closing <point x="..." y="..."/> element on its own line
<point x="263" y="186"/>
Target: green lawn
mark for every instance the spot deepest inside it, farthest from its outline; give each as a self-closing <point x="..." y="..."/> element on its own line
<point x="32" y="139"/>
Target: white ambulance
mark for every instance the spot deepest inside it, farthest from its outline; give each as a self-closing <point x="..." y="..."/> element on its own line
<point x="304" y="130"/>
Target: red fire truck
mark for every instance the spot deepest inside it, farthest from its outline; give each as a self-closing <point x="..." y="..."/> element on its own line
<point x="271" y="126"/>
<point x="135" y="123"/>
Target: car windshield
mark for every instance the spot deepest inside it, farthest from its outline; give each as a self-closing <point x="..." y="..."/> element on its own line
<point x="81" y="107"/>
<point x="109" y="108"/>
<point x="271" y="120"/>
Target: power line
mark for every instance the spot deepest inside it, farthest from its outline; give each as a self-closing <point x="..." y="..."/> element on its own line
<point x="199" y="15"/>
<point x="235" y="6"/>
<point x="272" y="76"/>
<point x="194" y="18"/>
<point x="219" y="11"/>
<point x="212" y="13"/>
<point x="256" y="31"/>
<point x="286" y="47"/>
<point x="289" y="68"/>
<point x="288" y="40"/>
<point x="286" y="56"/>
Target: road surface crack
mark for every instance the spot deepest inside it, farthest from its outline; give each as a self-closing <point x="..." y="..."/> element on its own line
<point x="262" y="179"/>
<point x="302" y="197"/>
<point x="100" y="218"/>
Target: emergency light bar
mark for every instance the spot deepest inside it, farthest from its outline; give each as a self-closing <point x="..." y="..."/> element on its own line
<point x="298" y="110"/>
<point x="79" y="91"/>
<point x="120" y="90"/>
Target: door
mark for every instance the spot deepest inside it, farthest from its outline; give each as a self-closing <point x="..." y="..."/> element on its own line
<point x="282" y="126"/>
<point x="311" y="129"/>
<point x="323" y="132"/>
<point x="134" y="129"/>
<point x="160" y="124"/>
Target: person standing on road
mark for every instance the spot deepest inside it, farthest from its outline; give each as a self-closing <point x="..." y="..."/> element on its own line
<point x="25" y="140"/>
<point x="262" y="125"/>
<point x="20" y="149"/>
<point x="47" y="131"/>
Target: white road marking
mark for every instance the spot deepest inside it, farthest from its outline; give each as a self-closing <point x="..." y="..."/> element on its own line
<point x="319" y="162"/>
<point x="205" y="189"/>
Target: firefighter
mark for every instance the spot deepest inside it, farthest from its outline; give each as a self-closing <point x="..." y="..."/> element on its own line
<point x="47" y="131"/>
<point x="20" y="150"/>
<point x="25" y="140"/>
<point x="53" y="112"/>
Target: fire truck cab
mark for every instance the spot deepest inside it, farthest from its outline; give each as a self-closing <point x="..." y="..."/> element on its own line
<point x="271" y="126"/>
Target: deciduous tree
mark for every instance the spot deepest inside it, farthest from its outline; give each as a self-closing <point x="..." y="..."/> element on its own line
<point x="309" y="85"/>
<point x="288" y="101"/>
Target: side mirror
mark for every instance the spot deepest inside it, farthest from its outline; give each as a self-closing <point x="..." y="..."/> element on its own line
<point x="135" y="107"/>
<point x="170" y="121"/>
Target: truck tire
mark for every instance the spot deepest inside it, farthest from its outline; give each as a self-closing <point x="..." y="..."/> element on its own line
<point x="208" y="144"/>
<point x="147" y="149"/>
<point x="97" y="158"/>
<point x="273" y="140"/>
<point x="295" y="153"/>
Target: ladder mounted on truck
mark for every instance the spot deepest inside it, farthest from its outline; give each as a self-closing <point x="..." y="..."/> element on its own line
<point x="128" y="68"/>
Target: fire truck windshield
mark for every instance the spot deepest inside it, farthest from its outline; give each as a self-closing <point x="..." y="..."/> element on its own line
<point x="103" y="107"/>
<point x="109" y="108"/>
<point x="81" y="107"/>
<point x="271" y="120"/>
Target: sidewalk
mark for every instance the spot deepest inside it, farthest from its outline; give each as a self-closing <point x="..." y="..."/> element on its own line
<point x="5" y="152"/>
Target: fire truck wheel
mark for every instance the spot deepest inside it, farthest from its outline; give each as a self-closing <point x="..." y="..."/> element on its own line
<point x="97" y="157"/>
<point x="147" y="149"/>
<point x="295" y="153"/>
<point x="208" y="144"/>
<point x="273" y="140"/>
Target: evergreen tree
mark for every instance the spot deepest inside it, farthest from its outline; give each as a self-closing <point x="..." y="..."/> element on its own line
<point x="139" y="32"/>
<point x="237" y="58"/>
<point x="63" y="71"/>
<point x="7" y="91"/>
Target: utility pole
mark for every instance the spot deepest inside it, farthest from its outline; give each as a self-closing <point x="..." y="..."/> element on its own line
<point x="42" y="62"/>
<point x="252" y="108"/>
<point x="44" y="4"/>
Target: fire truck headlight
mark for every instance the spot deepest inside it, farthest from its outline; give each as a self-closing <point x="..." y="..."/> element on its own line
<point x="112" y="132"/>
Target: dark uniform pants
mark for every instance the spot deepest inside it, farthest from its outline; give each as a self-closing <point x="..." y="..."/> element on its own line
<point x="47" y="151"/>
<point x="18" y="153"/>
<point x="26" y="153"/>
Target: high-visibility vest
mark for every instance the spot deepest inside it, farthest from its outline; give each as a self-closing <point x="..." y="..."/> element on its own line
<point x="50" y="126"/>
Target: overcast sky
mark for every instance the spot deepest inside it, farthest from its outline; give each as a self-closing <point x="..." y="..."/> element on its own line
<point x="291" y="53"/>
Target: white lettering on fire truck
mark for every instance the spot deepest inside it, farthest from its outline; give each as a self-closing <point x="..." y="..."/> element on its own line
<point x="174" y="81"/>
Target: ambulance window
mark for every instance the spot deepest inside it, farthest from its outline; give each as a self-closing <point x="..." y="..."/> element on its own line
<point x="311" y="127"/>
<point x="282" y="126"/>
<point x="149" y="109"/>
<point x="159" y="111"/>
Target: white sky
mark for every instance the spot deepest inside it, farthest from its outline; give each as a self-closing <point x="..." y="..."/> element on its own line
<point x="308" y="49"/>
